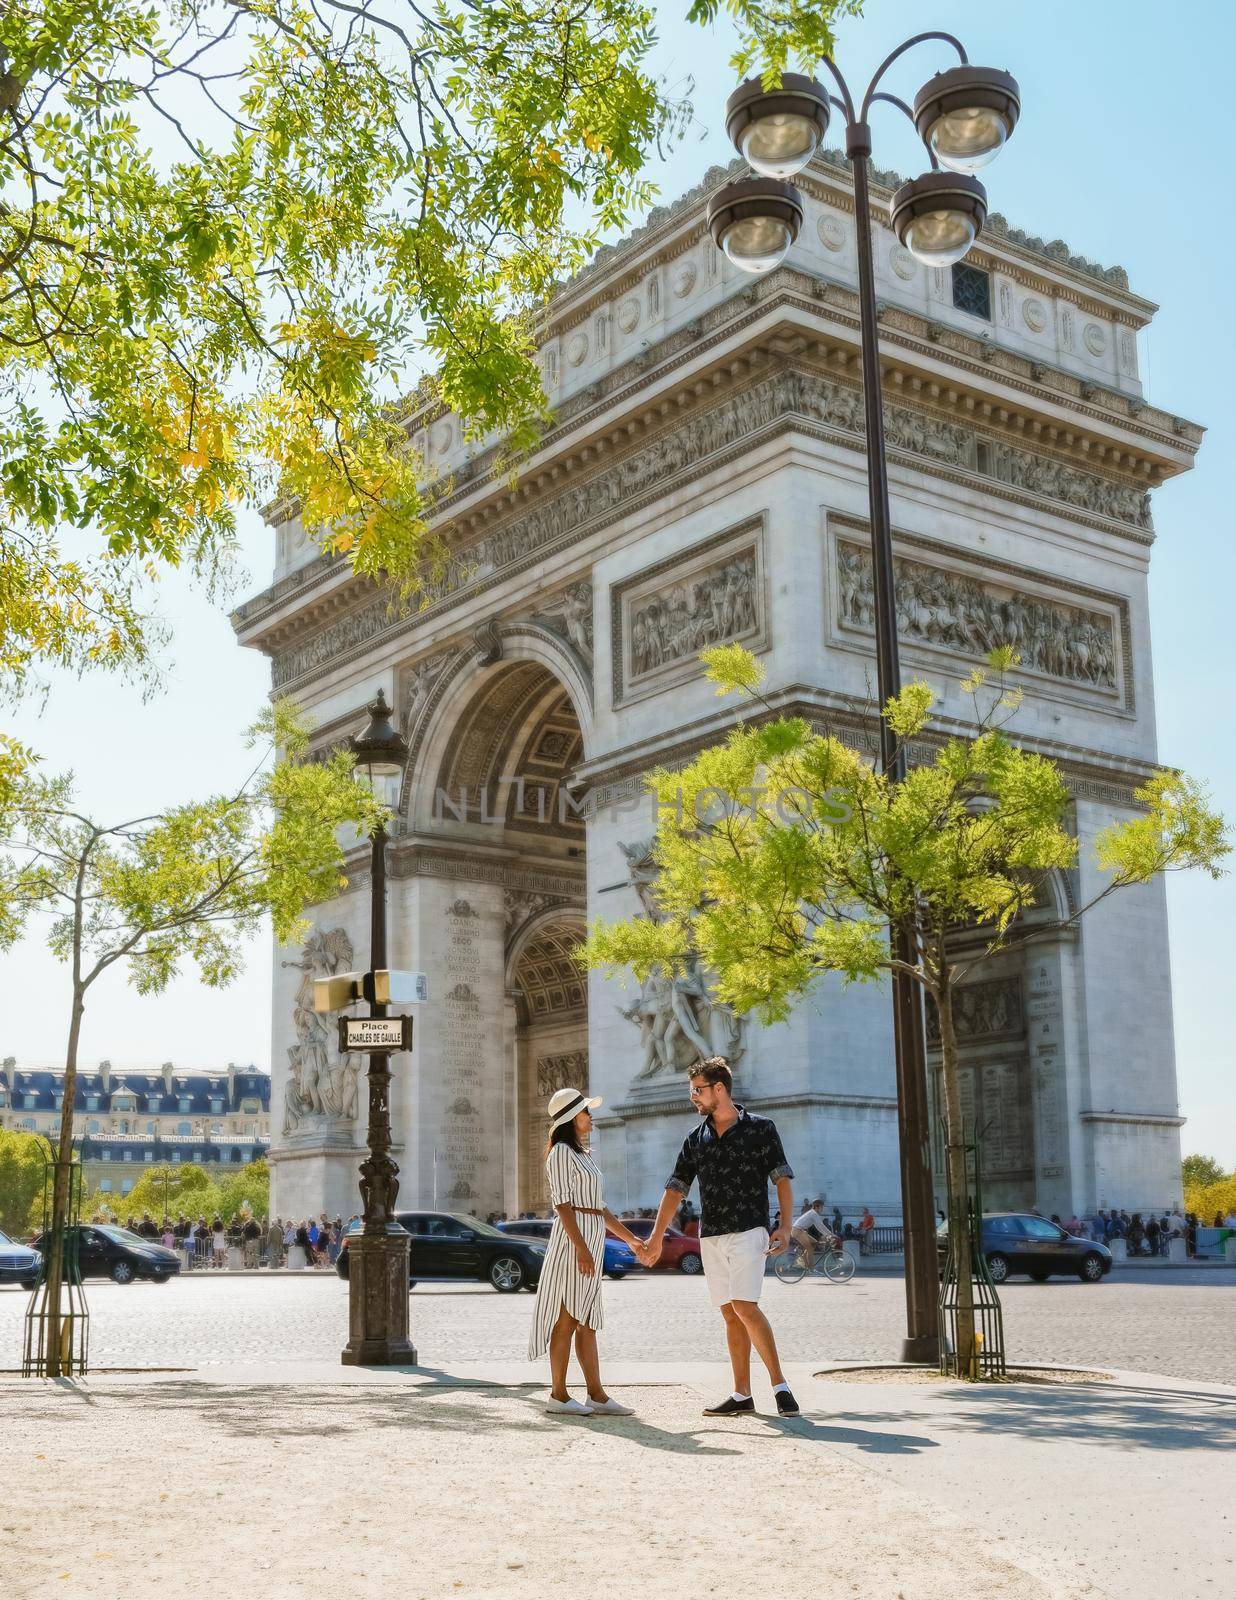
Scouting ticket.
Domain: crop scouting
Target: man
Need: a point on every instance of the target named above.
(735, 1156)
(810, 1230)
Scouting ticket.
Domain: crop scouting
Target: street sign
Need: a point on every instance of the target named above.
(388, 988)
(374, 1035)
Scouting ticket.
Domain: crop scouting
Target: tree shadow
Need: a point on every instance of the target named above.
(1091, 1414)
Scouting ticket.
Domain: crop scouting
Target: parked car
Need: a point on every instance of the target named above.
(447, 1244)
(19, 1263)
(677, 1249)
(1018, 1244)
(619, 1258)
(104, 1251)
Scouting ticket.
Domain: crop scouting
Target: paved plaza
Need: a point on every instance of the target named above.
(1180, 1323)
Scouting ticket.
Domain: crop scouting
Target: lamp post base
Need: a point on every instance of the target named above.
(921, 1351)
(378, 1302)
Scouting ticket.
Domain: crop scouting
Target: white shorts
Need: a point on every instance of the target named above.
(734, 1264)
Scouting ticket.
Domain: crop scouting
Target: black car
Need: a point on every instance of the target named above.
(1020, 1244)
(19, 1263)
(448, 1244)
(104, 1251)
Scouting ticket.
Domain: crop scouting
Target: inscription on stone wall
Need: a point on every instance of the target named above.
(1045, 1030)
(461, 1140)
(973, 616)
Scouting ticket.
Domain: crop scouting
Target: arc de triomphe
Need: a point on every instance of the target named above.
(704, 481)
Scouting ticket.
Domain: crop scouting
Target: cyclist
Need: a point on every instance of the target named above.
(810, 1231)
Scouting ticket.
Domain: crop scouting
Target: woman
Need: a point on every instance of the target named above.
(568, 1302)
(219, 1240)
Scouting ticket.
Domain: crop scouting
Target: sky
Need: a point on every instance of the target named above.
(1124, 149)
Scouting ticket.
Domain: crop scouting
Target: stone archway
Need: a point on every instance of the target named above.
(549, 994)
(495, 844)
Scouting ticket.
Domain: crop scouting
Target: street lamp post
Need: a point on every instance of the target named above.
(964, 117)
(378, 1255)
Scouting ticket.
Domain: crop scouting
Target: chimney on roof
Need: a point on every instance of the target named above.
(105, 1072)
(167, 1077)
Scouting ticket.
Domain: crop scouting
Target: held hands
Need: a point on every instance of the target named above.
(648, 1251)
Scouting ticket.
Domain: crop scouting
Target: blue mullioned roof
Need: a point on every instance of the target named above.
(207, 1093)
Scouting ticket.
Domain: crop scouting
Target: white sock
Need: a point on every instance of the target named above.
(781, 1388)
(738, 1396)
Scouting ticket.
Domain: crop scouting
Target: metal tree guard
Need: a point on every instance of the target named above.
(986, 1360)
(74, 1336)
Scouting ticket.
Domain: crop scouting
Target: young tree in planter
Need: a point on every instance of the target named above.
(187, 885)
(784, 854)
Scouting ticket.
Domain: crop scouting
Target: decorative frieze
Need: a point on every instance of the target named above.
(972, 616)
(569, 1070)
(983, 1011)
(712, 593)
(790, 397)
(321, 1084)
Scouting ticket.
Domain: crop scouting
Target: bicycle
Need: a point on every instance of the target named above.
(831, 1262)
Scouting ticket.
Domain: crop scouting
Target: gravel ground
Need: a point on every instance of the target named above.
(1179, 1323)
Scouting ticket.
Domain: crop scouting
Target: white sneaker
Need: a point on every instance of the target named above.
(569, 1408)
(610, 1408)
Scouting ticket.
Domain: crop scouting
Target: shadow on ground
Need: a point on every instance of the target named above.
(1082, 1414)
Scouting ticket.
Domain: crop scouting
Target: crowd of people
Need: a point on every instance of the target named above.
(261, 1242)
(1148, 1234)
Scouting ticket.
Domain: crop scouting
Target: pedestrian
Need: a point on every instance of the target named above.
(866, 1224)
(734, 1155)
(274, 1244)
(1190, 1233)
(168, 1239)
(251, 1233)
(218, 1238)
(1152, 1234)
(837, 1219)
(568, 1301)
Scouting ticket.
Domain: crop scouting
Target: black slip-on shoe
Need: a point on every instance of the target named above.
(730, 1407)
(786, 1403)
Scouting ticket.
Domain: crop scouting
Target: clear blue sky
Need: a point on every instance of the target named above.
(1124, 150)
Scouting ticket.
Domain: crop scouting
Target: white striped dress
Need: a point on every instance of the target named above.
(573, 1180)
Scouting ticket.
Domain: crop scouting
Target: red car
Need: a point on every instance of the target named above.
(677, 1250)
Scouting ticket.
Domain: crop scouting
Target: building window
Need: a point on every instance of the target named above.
(31, 1100)
(106, 1155)
(152, 1127)
(93, 1125)
(59, 1102)
(128, 1155)
(175, 1155)
(972, 290)
(197, 1155)
(184, 1102)
(216, 1106)
(184, 1128)
(29, 1123)
(126, 1186)
(106, 1185)
(92, 1102)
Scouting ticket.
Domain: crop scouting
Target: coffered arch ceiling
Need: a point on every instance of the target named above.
(548, 982)
(512, 749)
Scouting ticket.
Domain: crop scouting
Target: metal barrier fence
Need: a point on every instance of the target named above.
(882, 1241)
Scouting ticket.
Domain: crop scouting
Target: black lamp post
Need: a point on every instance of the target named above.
(378, 1255)
(964, 117)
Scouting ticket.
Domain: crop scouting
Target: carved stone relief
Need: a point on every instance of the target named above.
(988, 1010)
(973, 616)
(321, 1084)
(678, 1020)
(788, 394)
(416, 689)
(566, 1071)
(570, 615)
(663, 617)
(831, 232)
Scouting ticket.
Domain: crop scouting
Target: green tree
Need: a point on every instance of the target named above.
(235, 232)
(188, 885)
(1199, 1172)
(784, 854)
(22, 1164)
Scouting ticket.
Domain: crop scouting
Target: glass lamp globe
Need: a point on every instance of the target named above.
(779, 145)
(940, 238)
(757, 244)
(967, 139)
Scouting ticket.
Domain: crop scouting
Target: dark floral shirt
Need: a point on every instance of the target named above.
(734, 1170)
